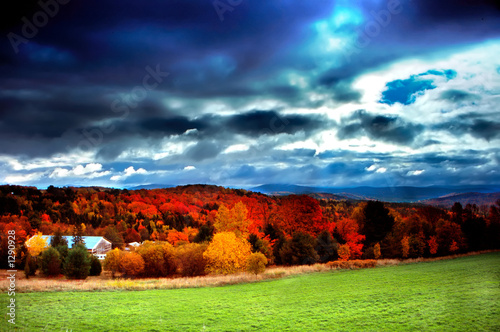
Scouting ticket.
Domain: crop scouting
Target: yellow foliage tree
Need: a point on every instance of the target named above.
(37, 244)
(227, 254)
(112, 261)
(234, 220)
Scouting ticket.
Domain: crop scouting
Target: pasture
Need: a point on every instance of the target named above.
(461, 294)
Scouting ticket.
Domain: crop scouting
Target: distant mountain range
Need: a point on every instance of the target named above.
(466, 198)
(387, 194)
(444, 196)
(151, 186)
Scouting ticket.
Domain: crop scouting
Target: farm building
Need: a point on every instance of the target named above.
(97, 245)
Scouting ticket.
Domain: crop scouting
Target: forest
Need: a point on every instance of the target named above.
(199, 224)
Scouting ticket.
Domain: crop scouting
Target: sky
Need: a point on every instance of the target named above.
(239, 93)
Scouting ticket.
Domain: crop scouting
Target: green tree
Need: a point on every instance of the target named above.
(77, 265)
(50, 262)
(377, 223)
(299, 250)
(95, 266)
(58, 239)
(78, 235)
(326, 246)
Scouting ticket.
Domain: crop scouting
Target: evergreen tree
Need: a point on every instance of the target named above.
(326, 247)
(77, 264)
(78, 235)
(58, 239)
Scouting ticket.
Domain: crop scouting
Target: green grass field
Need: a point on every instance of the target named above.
(452, 295)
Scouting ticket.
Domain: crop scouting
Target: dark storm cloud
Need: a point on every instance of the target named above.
(379, 127)
(258, 123)
(203, 150)
(171, 126)
(458, 95)
(477, 125)
(468, 158)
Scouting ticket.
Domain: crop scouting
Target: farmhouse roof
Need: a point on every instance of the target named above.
(90, 242)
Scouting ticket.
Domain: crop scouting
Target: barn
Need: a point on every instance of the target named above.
(96, 245)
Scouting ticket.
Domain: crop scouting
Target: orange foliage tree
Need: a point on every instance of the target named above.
(348, 229)
(132, 264)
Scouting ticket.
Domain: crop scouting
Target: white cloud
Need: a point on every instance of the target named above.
(415, 173)
(236, 148)
(91, 170)
(189, 168)
(129, 171)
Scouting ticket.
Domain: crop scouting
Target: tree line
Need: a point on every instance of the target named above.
(202, 222)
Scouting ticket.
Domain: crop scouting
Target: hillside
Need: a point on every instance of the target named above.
(386, 194)
(465, 198)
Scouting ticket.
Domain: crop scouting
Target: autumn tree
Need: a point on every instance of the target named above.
(132, 264)
(300, 214)
(261, 245)
(233, 220)
(344, 252)
(112, 261)
(37, 244)
(256, 263)
(226, 254)
(376, 251)
(114, 237)
(190, 260)
(159, 259)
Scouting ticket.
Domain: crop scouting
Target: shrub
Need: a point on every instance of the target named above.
(226, 254)
(159, 259)
(132, 264)
(344, 252)
(77, 265)
(190, 260)
(50, 262)
(95, 266)
(354, 264)
(256, 263)
(30, 266)
(376, 251)
(112, 261)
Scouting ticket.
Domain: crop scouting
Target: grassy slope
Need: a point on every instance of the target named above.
(461, 295)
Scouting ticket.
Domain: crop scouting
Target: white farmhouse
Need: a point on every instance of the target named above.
(96, 245)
